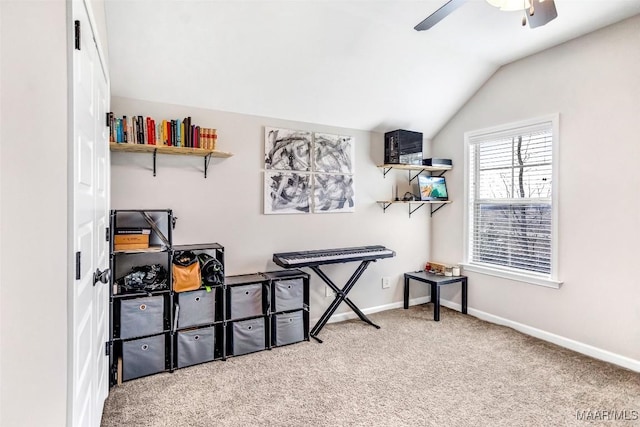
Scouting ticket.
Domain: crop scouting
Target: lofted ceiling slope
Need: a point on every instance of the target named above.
(356, 64)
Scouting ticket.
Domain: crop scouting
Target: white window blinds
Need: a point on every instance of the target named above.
(510, 199)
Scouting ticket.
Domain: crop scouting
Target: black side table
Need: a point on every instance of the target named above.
(435, 281)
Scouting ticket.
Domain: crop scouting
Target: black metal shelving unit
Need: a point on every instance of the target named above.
(146, 315)
(227, 316)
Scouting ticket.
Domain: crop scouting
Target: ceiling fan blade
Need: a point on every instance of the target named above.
(543, 13)
(439, 14)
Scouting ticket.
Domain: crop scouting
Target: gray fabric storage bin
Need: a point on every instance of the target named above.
(245, 301)
(195, 346)
(196, 308)
(248, 336)
(288, 294)
(144, 356)
(289, 328)
(141, 316)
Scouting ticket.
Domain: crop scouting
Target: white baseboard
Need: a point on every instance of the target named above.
(586, 349)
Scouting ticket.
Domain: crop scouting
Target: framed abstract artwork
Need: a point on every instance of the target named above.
(287, 149)
(333, 193)
(286, 192)
(332, 153)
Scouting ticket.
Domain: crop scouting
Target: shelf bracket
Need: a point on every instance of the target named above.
(442, 173)
(412, 211)
(436, 209)
(385, 171)
(385, 205)
(154, 161)
(415, 176)
(207, 159)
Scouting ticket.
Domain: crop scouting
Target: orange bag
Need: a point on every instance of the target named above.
(186, 272)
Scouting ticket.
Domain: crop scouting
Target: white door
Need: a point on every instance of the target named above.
(89, 300)
(101, 290)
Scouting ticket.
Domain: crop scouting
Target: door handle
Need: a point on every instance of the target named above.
(101, 276)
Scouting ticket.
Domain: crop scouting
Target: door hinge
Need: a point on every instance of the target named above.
(108, 119)
(106, 234)
(107, 347)
(78, 265)
(77, 30)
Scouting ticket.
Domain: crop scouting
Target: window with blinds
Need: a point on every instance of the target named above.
(510, 205)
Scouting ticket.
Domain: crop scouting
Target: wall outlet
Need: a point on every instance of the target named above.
(386, 282)
(328, 292)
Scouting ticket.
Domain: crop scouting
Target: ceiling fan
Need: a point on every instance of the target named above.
(537, 12)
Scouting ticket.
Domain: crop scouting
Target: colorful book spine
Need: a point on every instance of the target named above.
(130, 134)
(140, 130)
(145, 131)
(204, 137)
(111, 128)
(153, 131)
(178, 134)
(187, 129)
(124, 129)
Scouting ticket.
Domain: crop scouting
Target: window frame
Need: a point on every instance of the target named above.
(548, 280)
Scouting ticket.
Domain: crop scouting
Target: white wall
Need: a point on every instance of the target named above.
(1, 209)
(33, 213)
(227, 206)
(593, 83)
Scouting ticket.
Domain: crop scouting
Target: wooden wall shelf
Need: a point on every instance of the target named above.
(386, 203)
(420, 168)
(163, 149)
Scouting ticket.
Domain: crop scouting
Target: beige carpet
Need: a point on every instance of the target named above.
(413, 372)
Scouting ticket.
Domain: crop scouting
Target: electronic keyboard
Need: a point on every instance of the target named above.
(331, 256)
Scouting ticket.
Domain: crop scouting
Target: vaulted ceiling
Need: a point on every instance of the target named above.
(356, 64)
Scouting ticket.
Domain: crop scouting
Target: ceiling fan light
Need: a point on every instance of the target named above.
(495, 3)
(510, 5)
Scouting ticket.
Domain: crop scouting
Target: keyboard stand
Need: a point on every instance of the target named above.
(341, 295)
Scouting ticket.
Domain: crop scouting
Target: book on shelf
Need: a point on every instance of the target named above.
(145, 131)
(124, 129)
(187, 129)
(134, 130)
(138, 129)
(111, 128)
(174, 134)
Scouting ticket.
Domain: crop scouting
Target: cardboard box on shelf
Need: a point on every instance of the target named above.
(130, 246)
(131, 238)
(438, 267)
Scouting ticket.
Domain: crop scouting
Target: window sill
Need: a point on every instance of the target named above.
(534, 280)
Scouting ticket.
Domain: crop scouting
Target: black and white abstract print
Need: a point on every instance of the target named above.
(287, 149)
(286, 193)
(332, 153)
(333, 193)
